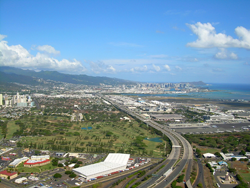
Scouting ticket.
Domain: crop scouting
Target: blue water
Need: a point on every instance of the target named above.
(84, 128)
(220, 91)
(229, 91)
(156, 139)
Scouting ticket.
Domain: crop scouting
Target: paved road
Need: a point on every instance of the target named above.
(176, 140)
(200, 177)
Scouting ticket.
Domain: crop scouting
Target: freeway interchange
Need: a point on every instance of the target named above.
(180, 156)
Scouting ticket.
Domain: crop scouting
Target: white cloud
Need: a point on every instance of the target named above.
(167, 67)
(101, 67)
(18, 56)
(224, 54)
(208, 38)
(139, 69)
(134, 62)
(157, 68)
(2, 37)
(158, 56)
(233, 56)
(178, 68)
(48, 49)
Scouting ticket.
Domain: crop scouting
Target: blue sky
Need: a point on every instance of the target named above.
(149, 41)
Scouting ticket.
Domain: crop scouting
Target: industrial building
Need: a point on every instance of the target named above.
(114, 163)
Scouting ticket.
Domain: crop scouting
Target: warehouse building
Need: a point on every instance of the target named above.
(114, 163)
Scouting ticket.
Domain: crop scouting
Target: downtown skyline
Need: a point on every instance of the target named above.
(146, 41)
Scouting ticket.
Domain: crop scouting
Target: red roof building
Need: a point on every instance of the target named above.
(31, 163)
(6, 159)
(5, 174)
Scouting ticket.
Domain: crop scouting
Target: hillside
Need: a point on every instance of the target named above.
(12, 73)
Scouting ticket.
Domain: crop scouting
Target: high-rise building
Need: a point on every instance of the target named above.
(1, 99)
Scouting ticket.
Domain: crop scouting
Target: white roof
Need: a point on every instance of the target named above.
(118, 158)
(34, 157)
(247, 153)
(208, 155)
(101, 167)
(19, 160)
(112, 161)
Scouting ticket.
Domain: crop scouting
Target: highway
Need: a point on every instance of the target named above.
(184, 155)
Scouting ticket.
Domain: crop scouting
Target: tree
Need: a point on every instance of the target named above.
(173, 184)
(242, 152)
(233, 159)
(74, 160)
(232, 170)
(68, 172)
(60, 165)
(217, 154)
(76, 166)
(57, 175)
(248, 148)
(224, 150)
(180, 178)
(72, 175)
(199, 185)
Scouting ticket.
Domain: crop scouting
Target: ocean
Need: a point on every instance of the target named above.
(219, 91)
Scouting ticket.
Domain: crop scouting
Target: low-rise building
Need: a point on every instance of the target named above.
(32, 163)
(229, 156)
(208, 155)
(8, 175)
(166, 117)
(21, 180)
(40, 157)
(16, 162)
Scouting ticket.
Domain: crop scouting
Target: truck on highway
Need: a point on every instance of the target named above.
(168, 172)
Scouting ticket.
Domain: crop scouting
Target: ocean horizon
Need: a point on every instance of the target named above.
(221, 91)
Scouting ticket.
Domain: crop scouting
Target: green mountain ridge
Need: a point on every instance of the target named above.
(56, 76)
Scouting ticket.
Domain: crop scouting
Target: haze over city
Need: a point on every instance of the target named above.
(149, 41)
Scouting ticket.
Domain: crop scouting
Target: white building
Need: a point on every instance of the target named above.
(21, 180)
(114, 163)
(229, 156)
(208, 155)
(40, 157)
(16, 162)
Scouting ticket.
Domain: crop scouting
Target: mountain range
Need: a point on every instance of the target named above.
(11, 74)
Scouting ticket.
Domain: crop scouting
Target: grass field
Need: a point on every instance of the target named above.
(36, 169)
(123, 133)
(245, 174)
(12, 127)
(208, 150)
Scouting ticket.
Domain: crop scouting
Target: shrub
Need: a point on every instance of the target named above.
(57, 175)
(60, 165)
(68, 172)
(180, 178)
(72, 175)
(173, 184)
